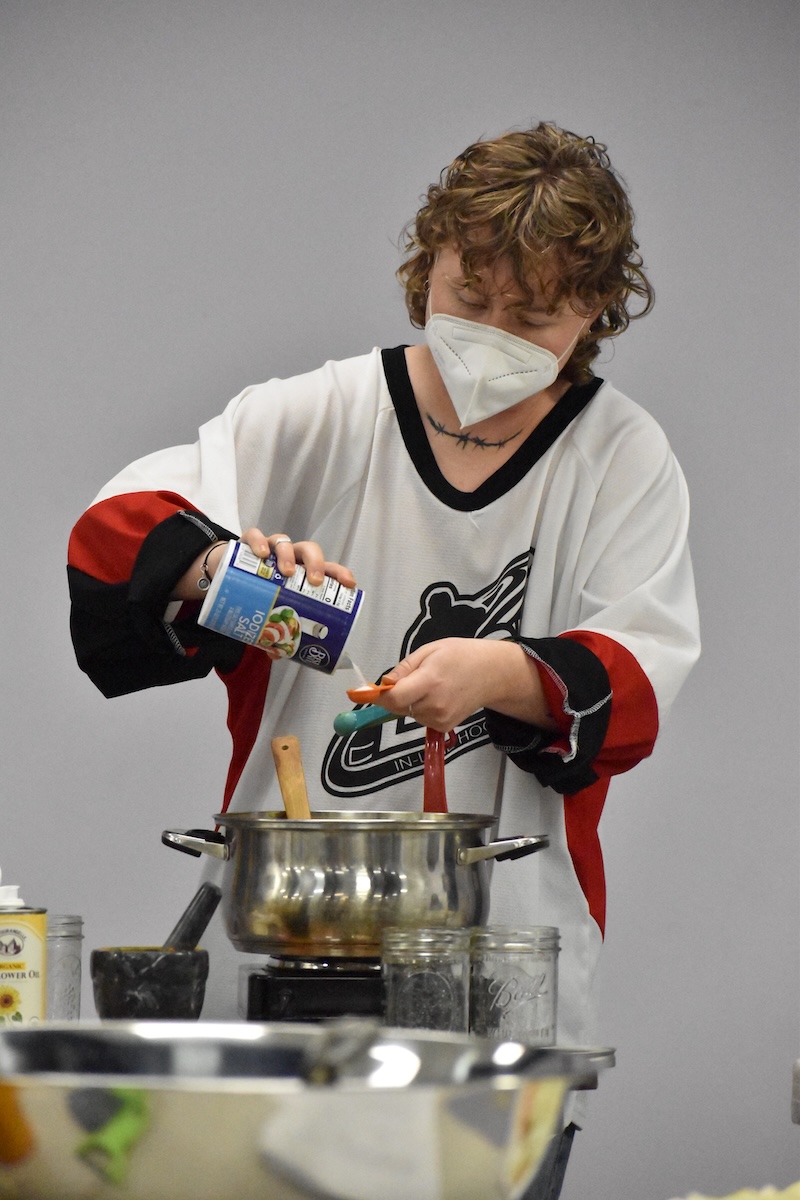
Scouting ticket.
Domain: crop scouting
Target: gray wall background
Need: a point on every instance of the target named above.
(199, 195)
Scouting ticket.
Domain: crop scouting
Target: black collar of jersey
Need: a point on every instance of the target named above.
(506, 477)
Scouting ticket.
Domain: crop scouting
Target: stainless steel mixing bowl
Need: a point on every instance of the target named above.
(346, 1110)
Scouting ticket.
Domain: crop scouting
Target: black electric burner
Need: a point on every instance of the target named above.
(294, 989)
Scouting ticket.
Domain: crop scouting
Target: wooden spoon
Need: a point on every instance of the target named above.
(291, 777)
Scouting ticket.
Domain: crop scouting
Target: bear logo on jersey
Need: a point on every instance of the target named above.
(371, 759)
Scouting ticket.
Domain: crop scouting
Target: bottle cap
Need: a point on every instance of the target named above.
(9, 895)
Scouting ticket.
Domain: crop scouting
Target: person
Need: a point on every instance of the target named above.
(518, 527)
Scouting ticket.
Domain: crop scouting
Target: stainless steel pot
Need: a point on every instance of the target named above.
(329, 886)
(160, 1110)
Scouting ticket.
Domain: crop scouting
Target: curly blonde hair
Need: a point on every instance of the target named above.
(550, 202)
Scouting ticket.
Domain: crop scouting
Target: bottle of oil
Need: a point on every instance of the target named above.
(23, 960)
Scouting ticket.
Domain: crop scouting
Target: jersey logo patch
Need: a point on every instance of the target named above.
(372, 759)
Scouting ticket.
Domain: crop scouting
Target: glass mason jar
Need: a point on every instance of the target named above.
(64, 938)
(426, 978)
(514, 984)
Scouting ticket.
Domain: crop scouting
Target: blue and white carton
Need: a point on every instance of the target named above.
(287, 617)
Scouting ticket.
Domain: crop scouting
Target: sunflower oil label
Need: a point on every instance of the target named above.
(23, 959)
(251, 601)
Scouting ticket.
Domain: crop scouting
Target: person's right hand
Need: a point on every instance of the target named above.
(288, 554)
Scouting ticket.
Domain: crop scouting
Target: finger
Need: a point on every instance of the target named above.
(256, 540)
(282, 546)
(410, 663)
(422, 710)
(342, 575)
(262, 546)
(311, 556)
(288, 554)
(408, 697)
(278, 544)
(317, 566)
(403, 705)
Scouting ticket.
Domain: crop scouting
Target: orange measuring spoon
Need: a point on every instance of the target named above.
(368, 693)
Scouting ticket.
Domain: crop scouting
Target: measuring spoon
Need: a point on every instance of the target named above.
(368, 693)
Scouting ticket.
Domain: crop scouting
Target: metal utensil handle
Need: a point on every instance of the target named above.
(506, 848)
(197, 842)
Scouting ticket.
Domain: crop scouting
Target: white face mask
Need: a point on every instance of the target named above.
(487, 370)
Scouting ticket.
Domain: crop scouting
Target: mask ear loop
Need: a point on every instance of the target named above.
(566, 353)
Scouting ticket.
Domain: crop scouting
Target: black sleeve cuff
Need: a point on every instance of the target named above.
(578, 681)
(167, 552)
(121, 638)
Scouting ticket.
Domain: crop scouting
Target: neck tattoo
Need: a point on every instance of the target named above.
(470, 439)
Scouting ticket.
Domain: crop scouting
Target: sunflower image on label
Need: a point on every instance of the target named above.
(23, 943)
(285, 616)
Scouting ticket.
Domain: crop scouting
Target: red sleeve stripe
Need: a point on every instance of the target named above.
(630, 736)
(582, 814)
(107, 539)
(633, 725)
(247, 690)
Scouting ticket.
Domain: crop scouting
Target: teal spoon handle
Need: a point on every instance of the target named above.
(358, 718)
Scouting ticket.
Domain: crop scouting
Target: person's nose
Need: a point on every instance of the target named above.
(507, 322)
(498, 316)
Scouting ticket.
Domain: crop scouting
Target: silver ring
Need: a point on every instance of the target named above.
(279, 540)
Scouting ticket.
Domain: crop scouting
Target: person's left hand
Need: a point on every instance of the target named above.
(446, 681)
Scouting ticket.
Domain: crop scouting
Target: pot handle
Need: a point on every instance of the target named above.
(197, 842)
(506, 848)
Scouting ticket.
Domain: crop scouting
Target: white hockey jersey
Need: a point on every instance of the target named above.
(577, 547)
